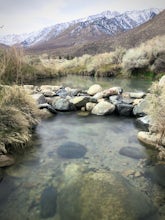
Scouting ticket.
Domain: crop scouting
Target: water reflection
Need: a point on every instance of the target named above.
(85, 82)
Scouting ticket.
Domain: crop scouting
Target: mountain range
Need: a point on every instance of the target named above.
(82, 35)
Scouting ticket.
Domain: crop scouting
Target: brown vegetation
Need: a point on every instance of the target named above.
(15, 68)
(156, 108)
(149, 56)
(18, 116)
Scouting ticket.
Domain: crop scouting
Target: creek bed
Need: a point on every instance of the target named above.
(103, 137)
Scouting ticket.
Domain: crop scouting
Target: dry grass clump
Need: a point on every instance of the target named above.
(15, 68)
(18, 116)
(11, 65)
(156, 98)
(149, 56)
(105, 64)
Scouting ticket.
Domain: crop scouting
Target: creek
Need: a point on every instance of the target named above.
(22, 191)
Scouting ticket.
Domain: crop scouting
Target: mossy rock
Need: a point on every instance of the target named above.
(103, 196)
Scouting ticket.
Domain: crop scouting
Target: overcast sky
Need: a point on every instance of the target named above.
(22, 16)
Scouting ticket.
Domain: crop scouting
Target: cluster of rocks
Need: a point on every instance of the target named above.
(94, 100)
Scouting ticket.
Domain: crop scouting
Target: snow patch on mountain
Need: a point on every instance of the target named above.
(109, 22)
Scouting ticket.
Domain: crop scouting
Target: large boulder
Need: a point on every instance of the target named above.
(139, 109)
(143, 123)
(148, 139)
(80, 101)
(48, 93)
(112, 91)
(62, 92)
(62, 104)
(94, 89)
(124, 109)
(98, 95)
(103, 108)
(103, 195)
(39, 98)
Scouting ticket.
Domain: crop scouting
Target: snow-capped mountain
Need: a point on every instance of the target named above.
(107, 22)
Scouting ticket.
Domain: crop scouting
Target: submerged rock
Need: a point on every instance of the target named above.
(71, 150)
(103, 195)
(132, 152)
(48, 202)
(157, 174)
(7, 186)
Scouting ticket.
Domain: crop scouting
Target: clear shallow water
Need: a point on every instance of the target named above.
(103, 137)
(85, 82)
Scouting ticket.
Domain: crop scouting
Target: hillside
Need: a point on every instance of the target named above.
(3, 46)
(132, 38)
(74, 36)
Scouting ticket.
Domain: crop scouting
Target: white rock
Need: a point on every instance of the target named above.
(90, 106)
(39, 98)
(94, 89)
(137, 95)
(162, 81)
(147, 138)
(103, 108)
(98, 95)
